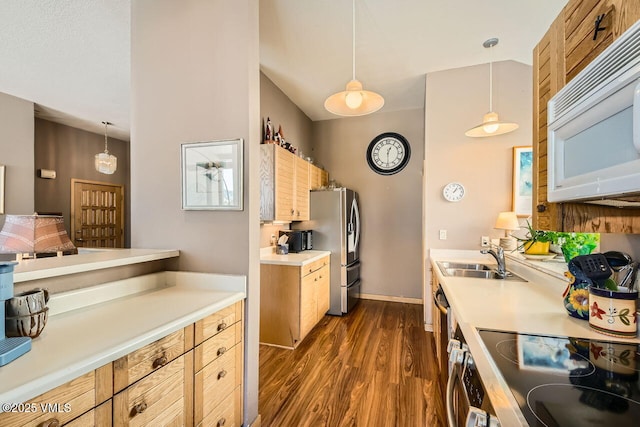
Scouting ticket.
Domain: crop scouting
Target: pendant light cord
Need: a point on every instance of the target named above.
(491, 85)
(353, 29)
(106, 150)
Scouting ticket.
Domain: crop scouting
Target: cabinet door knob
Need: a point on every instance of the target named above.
(222, 350)
(160, 361)
(222, 374)
(138, 409)
(222, 326)
(51, 422)
(222, 422)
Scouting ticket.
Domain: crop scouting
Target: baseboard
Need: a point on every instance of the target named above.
(391, 298)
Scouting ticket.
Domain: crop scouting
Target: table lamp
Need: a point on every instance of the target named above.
(507, 221)
(34, 234)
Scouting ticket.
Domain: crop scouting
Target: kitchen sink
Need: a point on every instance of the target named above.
(481, 274)
(475, 271)
(463, 266)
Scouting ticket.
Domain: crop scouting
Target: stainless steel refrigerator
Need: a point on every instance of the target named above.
(335, 221)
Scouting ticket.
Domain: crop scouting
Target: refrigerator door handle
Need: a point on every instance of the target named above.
(355, 214)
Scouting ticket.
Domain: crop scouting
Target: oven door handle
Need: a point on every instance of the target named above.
(440, 301)
(453, 378)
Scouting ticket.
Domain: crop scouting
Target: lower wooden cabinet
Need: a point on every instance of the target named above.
(293, 299)
(64, 404)
(190, 377)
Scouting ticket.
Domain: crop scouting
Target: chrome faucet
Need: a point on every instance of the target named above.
(498, 254)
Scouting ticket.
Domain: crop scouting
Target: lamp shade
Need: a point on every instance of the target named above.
(491, 126)
(34, 234)
(507, 221)
(354, 101)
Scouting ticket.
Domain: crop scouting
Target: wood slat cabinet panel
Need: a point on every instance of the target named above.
(217, 322)
(226, 414)
(130, 368)
(162, 398)
(63, 404)
(285, 182)
(98, 417)
(215, 382)
(301, 189)
(548, 79)
(218, 377)
(292, 301)
(218, 345)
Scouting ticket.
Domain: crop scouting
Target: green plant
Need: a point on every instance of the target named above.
(534, 236)
(574, 244)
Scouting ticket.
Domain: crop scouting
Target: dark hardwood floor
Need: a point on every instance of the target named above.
(374, 367)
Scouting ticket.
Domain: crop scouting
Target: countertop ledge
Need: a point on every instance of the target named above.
(294, 259)
(121, 317)
(86, 260)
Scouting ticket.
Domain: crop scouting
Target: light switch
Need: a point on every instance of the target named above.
(443, 234)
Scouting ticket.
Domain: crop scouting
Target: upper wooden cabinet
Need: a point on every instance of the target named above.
(285, 181)
(565, 50)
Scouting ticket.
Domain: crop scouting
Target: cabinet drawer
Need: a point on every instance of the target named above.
(217, 322)
(160, 399)
(72, 399)
(130, 368)
(227, 413)
(313, 266)
(216, 381)
(217, 345)
(98, 417)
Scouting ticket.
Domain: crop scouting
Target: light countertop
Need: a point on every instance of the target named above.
(294, 259)
(125, 316)
(535, 307)
(86, 260)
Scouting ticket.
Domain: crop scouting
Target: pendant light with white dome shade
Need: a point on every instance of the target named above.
(354, 100)
(491, 124)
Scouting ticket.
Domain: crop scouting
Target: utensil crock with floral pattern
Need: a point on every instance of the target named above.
(613, 312)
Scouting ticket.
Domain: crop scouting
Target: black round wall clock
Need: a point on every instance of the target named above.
(388, 153)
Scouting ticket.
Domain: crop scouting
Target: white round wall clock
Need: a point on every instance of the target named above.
(453, 192)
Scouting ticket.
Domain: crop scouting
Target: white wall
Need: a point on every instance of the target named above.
(17, 154)
(195, 77)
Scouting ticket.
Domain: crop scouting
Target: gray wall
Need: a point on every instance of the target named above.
(195, 77)
(391, 244)
(70, 152)
(296, 126)
(16, 153)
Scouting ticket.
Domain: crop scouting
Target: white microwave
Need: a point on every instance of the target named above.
(594, 127)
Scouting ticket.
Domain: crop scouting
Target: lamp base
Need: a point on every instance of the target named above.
(508, 243)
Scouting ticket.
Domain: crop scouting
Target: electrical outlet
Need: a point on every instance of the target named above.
(484, 241)
(443, 234)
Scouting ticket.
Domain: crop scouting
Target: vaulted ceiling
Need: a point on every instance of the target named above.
(71, 57)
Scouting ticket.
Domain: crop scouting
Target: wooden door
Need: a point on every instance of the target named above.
(301, 190)
(97, 214)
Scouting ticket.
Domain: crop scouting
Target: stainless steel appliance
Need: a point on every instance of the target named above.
(335, 220)
(466, 400)
(594, 128)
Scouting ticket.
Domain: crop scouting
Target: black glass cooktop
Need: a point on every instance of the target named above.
(563, 382)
